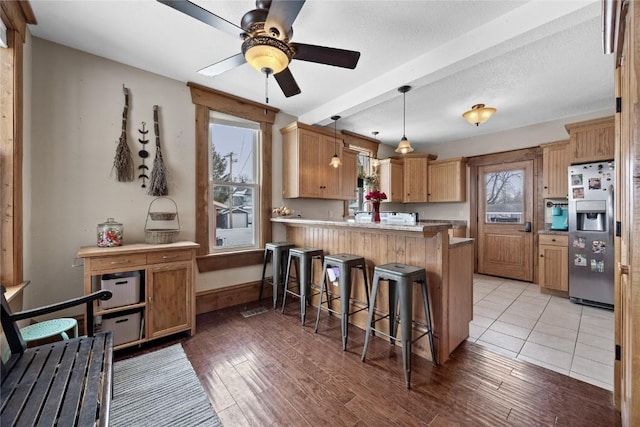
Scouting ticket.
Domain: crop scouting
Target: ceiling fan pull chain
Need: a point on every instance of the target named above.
(266, 89)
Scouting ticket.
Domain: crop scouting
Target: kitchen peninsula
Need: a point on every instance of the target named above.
(447, 260)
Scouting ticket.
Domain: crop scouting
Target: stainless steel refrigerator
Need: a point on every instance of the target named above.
(591, 233)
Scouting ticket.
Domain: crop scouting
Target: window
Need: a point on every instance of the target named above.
(213, 108)
(504, 196)
(235, 188)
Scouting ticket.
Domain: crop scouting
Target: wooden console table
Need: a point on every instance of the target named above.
(167, 285)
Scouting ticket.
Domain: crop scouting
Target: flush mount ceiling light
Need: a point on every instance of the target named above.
(404, 146)
(335, 160)
(478, 114)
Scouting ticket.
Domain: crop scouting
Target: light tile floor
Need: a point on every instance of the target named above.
(514, 319)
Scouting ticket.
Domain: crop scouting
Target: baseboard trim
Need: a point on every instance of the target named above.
(215, 299)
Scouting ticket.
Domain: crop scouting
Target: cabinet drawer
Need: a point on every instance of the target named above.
(117, 261)
(554, 240)
(168, 256)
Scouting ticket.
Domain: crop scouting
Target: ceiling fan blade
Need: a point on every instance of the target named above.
(203, 15)
(326, 55)
(287, 83)
(224, 65)
(282, 13)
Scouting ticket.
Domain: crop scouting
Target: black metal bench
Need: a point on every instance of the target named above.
(65, 383)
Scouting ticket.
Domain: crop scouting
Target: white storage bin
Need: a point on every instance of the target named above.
(124, 286)
(125, 328)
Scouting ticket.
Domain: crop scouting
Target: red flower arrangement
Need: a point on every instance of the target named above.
(375, 196)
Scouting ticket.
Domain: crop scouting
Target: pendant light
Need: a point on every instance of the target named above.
(478, 114)
(375, 162)
(335, 160)
(404, 146)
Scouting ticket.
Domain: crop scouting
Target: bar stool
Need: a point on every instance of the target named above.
(277, 252)
(302, 259)
(344, 263)
(400, 278)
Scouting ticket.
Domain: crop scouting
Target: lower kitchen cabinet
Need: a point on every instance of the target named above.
(163, 303)
(553, 262)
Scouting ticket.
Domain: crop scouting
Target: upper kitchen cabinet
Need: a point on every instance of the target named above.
(306, 173)
(555, 161)
(415, 171)
(447, 180)
(591, 140)
(391, 177)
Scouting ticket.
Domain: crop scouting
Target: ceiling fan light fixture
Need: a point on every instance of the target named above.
(478, 114)
(404, 146)
(267, 53)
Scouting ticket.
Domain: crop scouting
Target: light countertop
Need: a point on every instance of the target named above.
(421, 227)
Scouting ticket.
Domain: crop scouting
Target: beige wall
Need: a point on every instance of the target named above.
(73, 107)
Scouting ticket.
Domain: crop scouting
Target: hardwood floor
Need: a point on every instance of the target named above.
(269, 370)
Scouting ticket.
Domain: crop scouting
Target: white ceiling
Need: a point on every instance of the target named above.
(534, 61)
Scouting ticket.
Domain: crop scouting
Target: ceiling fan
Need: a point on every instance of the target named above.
(267, 31)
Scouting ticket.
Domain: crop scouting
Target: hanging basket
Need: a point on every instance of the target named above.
(167, 234)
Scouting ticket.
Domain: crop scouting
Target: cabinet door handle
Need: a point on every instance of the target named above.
(553, 240)
(169, 256)
(541, 256)
(119, 262)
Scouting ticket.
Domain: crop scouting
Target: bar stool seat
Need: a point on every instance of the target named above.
(400, 278)
(345, 263)
(277, 252)
(302, 259)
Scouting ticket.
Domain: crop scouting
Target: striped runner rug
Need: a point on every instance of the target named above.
(159, 389)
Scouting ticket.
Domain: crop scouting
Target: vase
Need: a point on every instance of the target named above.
(375, 215)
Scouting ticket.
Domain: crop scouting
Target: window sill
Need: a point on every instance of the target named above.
(224, 261)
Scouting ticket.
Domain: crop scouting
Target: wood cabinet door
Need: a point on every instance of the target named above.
(169, 290)
(311, 149)
(330, 176)
(554, 267)
(447, 181)
(555, 162)
(415, 179)
(390, 175)
(592, 141)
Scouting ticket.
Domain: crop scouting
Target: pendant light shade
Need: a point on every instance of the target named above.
(335, 160)
(478, 114)
(404, 146)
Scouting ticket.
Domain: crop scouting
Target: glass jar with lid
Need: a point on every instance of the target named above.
(110, 233)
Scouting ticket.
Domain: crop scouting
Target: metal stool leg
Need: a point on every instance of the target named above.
(393, 310)
(285, 285)
(372, 303)
(264, 270)
(323, 288)
(345, 294)
(276, 263)
(405, 291)
(303, 270)
(427, 315)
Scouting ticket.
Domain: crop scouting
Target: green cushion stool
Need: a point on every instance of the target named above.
(47, 329)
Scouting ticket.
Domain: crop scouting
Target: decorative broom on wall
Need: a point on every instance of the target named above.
(123, 162)
(158, 180)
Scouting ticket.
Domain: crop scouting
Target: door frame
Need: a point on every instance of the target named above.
(532, 153)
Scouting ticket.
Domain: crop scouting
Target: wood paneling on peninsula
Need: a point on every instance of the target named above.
(427, 246)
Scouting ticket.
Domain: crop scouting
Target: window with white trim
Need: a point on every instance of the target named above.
(234, 171)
